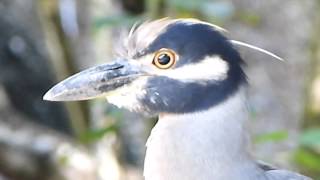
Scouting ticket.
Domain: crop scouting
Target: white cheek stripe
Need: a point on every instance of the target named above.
(210, 68)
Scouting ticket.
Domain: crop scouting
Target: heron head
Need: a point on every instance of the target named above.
(163, 66)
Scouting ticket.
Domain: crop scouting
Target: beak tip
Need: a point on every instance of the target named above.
(54, 94)
(48, 96)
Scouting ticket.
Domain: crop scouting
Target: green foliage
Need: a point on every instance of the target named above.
(271, 137)
(311, 138)
(114, 117)
(112, 21)
(114, 113)
(249, 18)
(182, 5)
(94, 135)
(205, 8)
(307, 156)
(307, 159)
(63, 160)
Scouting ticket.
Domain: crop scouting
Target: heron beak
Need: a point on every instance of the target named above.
(94, 82)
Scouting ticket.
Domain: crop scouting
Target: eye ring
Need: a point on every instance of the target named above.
(164, 58)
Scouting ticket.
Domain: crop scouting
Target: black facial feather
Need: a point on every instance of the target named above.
(192, 41)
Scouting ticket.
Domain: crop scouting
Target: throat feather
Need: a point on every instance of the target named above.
(201, 143)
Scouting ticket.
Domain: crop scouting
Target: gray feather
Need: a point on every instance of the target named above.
(272, 173)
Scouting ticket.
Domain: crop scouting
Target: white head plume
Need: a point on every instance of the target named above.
(235, 42)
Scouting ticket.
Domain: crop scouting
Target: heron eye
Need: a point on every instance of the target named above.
(164, 58)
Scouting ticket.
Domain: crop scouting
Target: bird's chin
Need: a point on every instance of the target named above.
(129, 97)
(131, 103)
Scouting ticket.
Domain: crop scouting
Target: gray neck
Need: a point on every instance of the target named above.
(211, 144)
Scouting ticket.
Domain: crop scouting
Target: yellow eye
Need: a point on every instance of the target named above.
(164, 58)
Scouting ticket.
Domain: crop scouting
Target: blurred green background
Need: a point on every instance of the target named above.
(45, 41)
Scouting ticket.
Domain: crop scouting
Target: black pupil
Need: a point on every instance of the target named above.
(164, 59)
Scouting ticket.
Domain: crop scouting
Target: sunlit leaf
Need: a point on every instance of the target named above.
(95, 135)
(308, 160)
(271, 137)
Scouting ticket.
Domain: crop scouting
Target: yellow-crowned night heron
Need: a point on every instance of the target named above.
(188, 73)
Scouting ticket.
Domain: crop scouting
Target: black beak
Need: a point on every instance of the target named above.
(93, 82)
